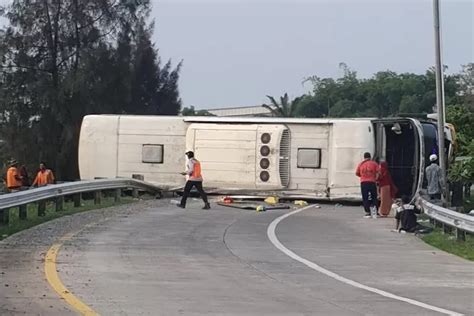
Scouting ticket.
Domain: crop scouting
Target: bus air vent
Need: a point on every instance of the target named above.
(285, 158)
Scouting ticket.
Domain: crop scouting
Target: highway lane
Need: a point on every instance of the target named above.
(221, 261)
(160, 260)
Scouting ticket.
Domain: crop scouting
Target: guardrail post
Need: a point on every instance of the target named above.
(23, 211)
(77, 199)
(117, 195)
(42, 208)
(446, 229)
(135, 194)
(13, 216)
(5, 215)
(97, 197)
(460, 235)
(59, 203)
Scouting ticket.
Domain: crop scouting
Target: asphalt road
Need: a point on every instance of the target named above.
(151, 258)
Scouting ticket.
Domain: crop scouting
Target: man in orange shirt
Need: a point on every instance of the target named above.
(367, 171)
(44, 177)
(14, 182)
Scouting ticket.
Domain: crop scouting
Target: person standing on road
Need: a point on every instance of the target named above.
(367, 171)
(25, 179)
(13, 178)
(435, 179)
(387, 188)
(44, 177)
(193, 172)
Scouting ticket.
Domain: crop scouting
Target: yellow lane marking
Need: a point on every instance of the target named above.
(50, 269)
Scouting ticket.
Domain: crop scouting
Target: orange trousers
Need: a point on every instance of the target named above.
(385, 200)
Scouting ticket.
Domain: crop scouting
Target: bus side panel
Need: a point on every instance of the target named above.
(98, 147)
(349, 141)
(136, 133)
(309, 137)
(226, 152)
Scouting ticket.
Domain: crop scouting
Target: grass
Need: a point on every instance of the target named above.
(449, 243)
(33, 219)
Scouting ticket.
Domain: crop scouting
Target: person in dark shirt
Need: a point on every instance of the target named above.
(25, 179)
(406, 216)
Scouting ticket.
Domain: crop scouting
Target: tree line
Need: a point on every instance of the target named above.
(389, 94)
(63, 59)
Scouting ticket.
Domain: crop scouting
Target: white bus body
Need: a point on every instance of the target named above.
(312, 158)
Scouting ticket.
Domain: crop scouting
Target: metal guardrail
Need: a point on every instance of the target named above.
(462, 223)
(57, 193)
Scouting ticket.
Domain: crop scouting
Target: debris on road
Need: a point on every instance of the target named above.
(259, 207)
(272, 200)
(301, 203)
(228, 200)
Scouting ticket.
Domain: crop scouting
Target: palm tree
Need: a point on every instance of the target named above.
(283, 109)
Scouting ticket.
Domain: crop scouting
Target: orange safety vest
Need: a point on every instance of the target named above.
(44, 177)
(12, 181)
(197, 170)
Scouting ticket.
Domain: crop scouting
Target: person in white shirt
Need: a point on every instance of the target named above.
(435, 178)
(193, 172)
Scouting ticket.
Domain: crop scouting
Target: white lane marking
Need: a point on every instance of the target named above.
(273, 238)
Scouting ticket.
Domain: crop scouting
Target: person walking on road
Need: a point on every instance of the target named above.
(44, 177)
(435, 179)
(367, 171)
(13, 178)
(387, 189)
(193, 172)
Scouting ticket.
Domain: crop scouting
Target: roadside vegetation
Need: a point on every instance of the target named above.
(33, 219)
(449, 243)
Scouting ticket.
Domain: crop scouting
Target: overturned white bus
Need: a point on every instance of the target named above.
(310, 158)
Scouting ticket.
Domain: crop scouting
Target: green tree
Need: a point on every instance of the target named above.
(410, 104)
(466, 85)
(191, 111)
(284, 108)
(61, 60)
(154, 88)
(385, 94)
(309, 106)
(463, 120)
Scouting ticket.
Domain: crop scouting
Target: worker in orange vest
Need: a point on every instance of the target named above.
(193, 172)
(44, 177)
(13, 180)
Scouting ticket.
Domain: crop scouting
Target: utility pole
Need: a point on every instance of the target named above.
(440, 95)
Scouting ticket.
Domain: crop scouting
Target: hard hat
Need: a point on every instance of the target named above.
(433, 157)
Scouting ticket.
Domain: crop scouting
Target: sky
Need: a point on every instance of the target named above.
(235, 52)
